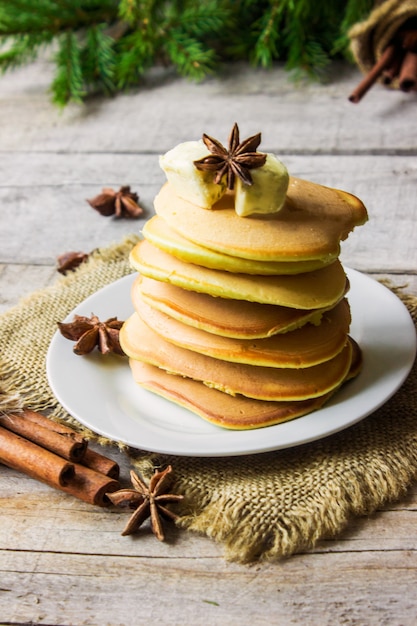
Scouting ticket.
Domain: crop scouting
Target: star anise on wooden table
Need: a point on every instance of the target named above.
(89, 332)
(237, 160)
(122, 203)
(148, 501)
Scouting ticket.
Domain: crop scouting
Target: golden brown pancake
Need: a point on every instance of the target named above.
(312, 290)
(310, 226)
(141, 343)
(161, 235)
(221, 409)
(305, 347)
(221, 316)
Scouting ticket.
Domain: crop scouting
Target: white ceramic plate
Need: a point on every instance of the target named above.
(100, 392)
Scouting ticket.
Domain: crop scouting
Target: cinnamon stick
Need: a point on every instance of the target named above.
(96, 461)
(69, 445)
(408, 73)
(384, 61)
(90, 486)
(25, 456)
(90, 458)
(26, 442)
(393, 68)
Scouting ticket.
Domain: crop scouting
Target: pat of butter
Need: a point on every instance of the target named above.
(268, 192)
(188, 182)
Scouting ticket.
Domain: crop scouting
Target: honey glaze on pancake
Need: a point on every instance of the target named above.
(311, 290)
(141, 343)
(310, 226)
(305, 347)
(222, 316)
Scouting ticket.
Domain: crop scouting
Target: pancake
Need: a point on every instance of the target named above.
(221, 316)
(311, 290)
(223, 410)
(304, 347)
(161, 235)
(310, 226)
(234, 413)
(141, 343)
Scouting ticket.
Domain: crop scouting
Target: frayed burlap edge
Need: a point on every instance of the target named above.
(368, 39)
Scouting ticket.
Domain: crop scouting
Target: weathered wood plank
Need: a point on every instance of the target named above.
(355, 589)
(18, 281)
(70, 522)
(50, 214)
(64, 562)
(306, 117)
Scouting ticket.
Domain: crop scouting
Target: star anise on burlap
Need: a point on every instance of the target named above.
(237, 160)
(89, 332)
(122, 203)
(69, 261)
(148, 501)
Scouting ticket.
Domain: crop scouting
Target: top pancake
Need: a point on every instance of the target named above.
(310, 226)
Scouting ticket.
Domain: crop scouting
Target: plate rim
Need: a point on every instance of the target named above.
(209, 449)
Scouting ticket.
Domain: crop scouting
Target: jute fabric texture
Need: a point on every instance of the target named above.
(368, 39)
(263, 506)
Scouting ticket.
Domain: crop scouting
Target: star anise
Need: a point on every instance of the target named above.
(69, 261)
(122, 203)
(89, 332)
(236, 161)
(148, 501)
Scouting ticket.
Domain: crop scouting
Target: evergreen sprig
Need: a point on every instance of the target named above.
(108, 45)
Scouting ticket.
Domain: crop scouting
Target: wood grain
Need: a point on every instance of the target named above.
(64, 562)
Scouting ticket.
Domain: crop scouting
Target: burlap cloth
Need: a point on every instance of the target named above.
(368, 39)
(259, 506)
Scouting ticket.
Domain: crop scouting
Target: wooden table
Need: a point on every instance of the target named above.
(63, 561)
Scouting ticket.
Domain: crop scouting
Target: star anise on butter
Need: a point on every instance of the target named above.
(149, 501)
(237, 160)
(89, 332)
(122, 203)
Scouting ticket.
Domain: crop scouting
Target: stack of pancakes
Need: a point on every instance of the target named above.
(244, 321)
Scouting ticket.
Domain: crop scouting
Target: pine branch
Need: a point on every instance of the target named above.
(108, 45)
(189, 56)
(98, 60)
(269, 26)
(356, 11)
(68, 83)
(23, 49)
(135, 54)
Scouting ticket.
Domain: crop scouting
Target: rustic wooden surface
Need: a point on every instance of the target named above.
(64, 562)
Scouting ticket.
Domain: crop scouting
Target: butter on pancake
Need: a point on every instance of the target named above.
(310, 226)
(221, 316)
(141, 343)
(161, 235)
(305, 347)
(311, 290)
